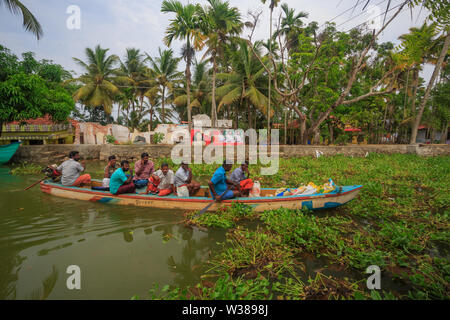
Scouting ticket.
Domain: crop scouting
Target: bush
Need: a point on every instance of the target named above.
(342, 140)
(110, 139)
(158, 137)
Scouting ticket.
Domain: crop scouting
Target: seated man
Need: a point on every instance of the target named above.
(70, 170)
(166, 176)
(238, 176)
(183, 179)
(109, 170)
(121, 183)
(219, 184)
(143, 169)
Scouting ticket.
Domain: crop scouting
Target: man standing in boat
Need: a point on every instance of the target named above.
(121, 183)
(71, 169)
(143, 169)
(183, 181)
(238, 176)
(220, 185)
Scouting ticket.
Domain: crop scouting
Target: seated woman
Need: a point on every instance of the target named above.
(121, 183)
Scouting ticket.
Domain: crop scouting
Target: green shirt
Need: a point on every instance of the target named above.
(117, 179)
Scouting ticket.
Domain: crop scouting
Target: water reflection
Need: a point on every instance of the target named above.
(121, 250)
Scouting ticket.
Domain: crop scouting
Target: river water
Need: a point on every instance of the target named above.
(121, 251)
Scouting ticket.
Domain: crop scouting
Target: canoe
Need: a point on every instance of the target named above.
(333, 199)
(7, 151)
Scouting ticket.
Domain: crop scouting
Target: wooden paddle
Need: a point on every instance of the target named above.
(209, 205)
(34, 184)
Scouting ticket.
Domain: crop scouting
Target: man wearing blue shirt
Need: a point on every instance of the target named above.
(219, 184)
(120, 182)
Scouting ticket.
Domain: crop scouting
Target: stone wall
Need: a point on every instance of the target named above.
(56, 153)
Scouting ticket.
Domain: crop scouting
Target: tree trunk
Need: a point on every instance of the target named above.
(443, 139)
(303, 135)
(118, 112)
(414, 93)
(330, 126)
(188, 91)
(437, 68)
(151, 118)
(213, 94)
(249, 114)
(270, 80)
(163, 115)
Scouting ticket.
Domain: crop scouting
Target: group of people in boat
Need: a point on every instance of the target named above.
(162, 182)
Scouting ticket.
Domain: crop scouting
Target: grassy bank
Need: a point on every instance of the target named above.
(400, 222)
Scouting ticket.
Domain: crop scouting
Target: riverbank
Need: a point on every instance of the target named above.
(56, 153)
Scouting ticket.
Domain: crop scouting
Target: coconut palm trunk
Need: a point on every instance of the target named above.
(270, 79)
(213, 94)
(163, 101)
(436, 71)
(188, 89)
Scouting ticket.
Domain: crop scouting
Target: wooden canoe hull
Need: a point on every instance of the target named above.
(317, 201)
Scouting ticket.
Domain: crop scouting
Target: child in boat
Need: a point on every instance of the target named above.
(121, 183)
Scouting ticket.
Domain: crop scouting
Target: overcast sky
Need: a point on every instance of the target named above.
(119, 24)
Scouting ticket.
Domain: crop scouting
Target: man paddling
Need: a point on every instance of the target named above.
(219, 184)
(71, 169)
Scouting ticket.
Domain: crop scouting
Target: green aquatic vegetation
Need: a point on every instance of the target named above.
(224, 288)
(26, 168)
(250, 253)
(226, 217)
(400, 222)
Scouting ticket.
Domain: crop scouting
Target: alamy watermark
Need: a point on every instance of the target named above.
(73, 22)
(258, 149)
(374, 281)
(74, 280)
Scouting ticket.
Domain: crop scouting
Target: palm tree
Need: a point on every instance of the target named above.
(272, 5)
(185, 26)
(30, 23)
(132, 73)
(200, 90)
(220, 23)
(437, 68)
(290, 26)
(165, 75)
(244, 83)
(97, 87)
(419, 46)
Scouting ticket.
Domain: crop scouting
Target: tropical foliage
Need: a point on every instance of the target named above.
(309, 81)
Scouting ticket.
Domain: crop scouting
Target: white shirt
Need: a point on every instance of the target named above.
(166, 180)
